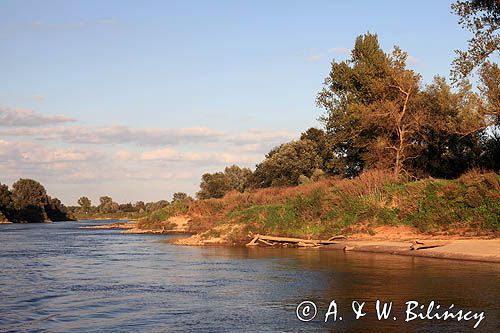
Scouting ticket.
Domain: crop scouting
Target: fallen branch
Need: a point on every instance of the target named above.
(266, 242)
(337, 237)
(419, 245)
(272, 241)
(253, 242)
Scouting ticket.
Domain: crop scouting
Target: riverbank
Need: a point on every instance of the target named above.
(395, 241)
(177, 225)
(387, 240)
(371, 208)
(484, 250)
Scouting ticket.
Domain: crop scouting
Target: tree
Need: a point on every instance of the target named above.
(152, 206)
(179, 196)
(490, 90)
(140, 206)
(490, 151)
(107, 205)
(5, 197)
(372, 104)
(126, 207)
(323, 147)
(482, 19)
(85, 204)
(285, 164)
(377, 115)
(55, 210)
(448, 147)
(5, 202)
(237, 178)
(29, 198)
(213, 185)
(216, 185)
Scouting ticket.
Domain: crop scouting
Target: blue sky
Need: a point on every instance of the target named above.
(137, 99)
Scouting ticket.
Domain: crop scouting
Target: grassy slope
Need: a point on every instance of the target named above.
(470, 204)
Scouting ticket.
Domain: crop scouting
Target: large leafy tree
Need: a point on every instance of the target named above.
(216, 185)
(372, 103)
(107, 205)
(482, 19)
(213, 185)
(321, 143)
(378, 116)
(29, 198)
(285, 164)
(85, 204)
(236, 178)
(444, 149)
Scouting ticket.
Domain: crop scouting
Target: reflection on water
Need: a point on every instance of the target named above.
(56, 277)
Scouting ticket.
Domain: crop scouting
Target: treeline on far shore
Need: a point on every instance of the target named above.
(108, 208)
(27, 201)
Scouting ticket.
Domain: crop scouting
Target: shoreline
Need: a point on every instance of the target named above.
(478, 250)
(482, 250)
(389, 240)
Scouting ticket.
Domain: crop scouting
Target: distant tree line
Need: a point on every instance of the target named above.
(379, 115)
(27, 201)
(108, 206)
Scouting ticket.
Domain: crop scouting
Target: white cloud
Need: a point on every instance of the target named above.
(116, 134)
(125, 158)
(29, 118)
(340, 50)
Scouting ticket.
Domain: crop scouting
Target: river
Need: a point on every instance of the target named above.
(59, 278)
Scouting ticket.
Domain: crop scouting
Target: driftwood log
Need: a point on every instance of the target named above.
(420, 245)
(273, 241)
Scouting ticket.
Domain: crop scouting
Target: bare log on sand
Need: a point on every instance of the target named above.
(420, 245)
(273, 241)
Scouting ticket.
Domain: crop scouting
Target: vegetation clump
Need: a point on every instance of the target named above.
(28, 202)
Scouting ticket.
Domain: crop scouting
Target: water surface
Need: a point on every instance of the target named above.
(58, 278)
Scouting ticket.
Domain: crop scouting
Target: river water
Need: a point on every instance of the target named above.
(59, 278)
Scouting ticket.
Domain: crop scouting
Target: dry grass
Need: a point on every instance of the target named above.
(371, 182)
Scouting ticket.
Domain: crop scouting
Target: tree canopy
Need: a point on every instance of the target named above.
(482, 19)
(216, 185)
(28, 202)
(378, 115)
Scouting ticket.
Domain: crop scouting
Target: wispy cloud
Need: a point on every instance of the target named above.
(315, 57)
(340, 50)
(29, 118)
(169, 154)
(117, 134)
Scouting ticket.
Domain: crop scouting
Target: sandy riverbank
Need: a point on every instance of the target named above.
(487, 250)
(398, 241)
